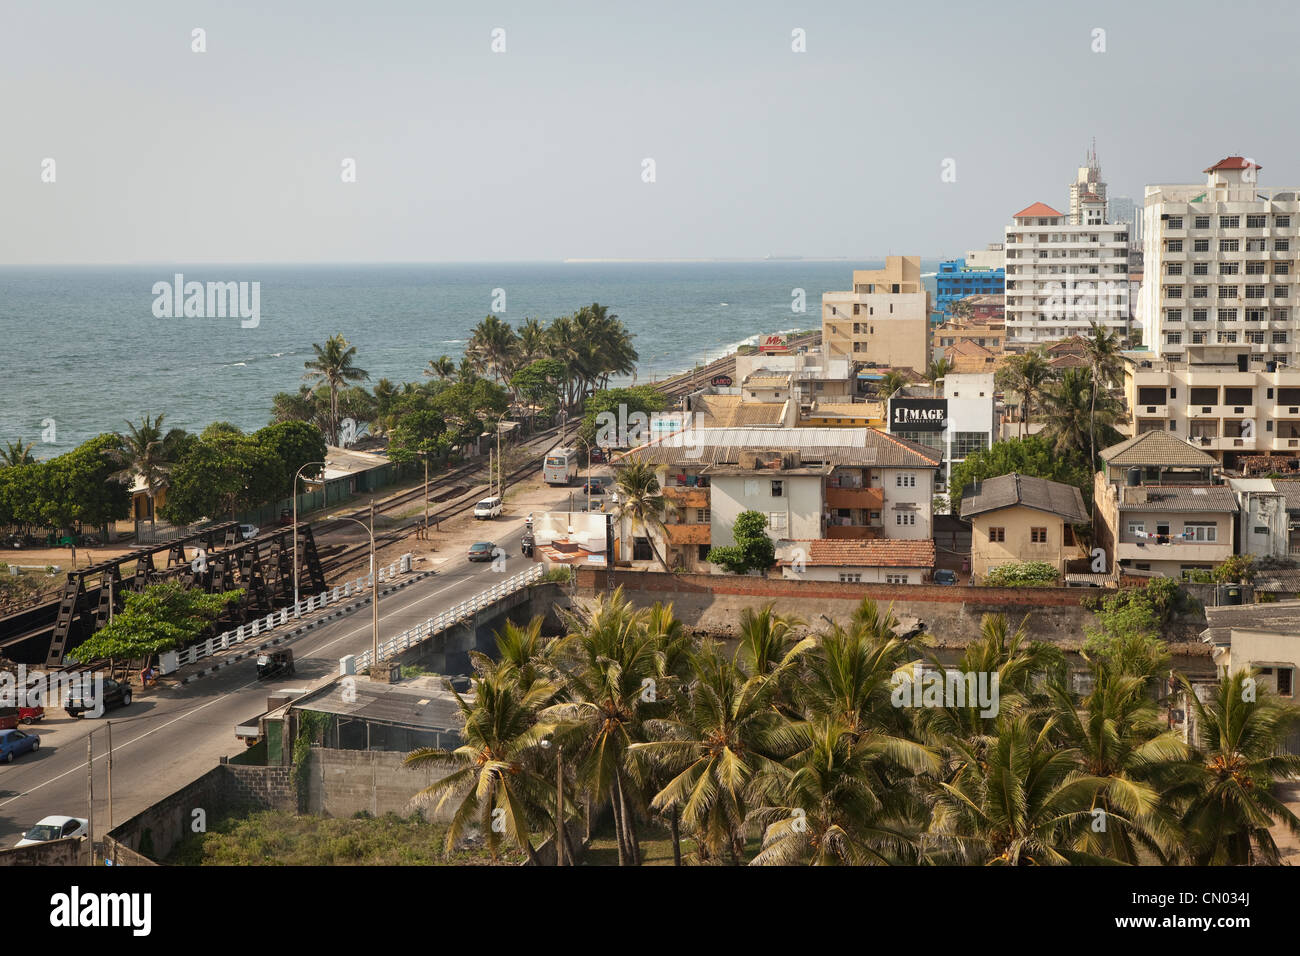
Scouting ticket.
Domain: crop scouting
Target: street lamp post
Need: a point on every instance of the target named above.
(295, 528)
(374, 583)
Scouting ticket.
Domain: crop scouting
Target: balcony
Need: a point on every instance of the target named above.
(866, 499)
(1192, 552)
(687, 497)
(852, 531)
(687, 534)
(1152, 411)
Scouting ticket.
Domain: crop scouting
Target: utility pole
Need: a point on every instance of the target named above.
(108, 725)
(90, 792)
(559, 806)
(374, 594)
(426, 494)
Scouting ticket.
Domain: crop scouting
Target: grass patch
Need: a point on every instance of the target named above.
(277, 838)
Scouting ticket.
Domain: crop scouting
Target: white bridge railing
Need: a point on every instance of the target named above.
(452, 616)
(259, 626)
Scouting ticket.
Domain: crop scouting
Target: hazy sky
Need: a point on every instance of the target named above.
(166, 155)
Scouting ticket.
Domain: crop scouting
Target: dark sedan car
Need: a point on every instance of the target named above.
(945, 577)
(595, 487)
(15, 743)
(114, 694)
(481, 551)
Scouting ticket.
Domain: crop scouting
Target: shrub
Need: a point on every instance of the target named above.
(1026, 574)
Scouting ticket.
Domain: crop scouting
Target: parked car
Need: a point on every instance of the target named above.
(596, 486)
(488, 508)
(597, 456)
(30, 715)
(115, 694)
(247, 531)
(54, 828)
(15, 743)
(945, 577)
(481, 551)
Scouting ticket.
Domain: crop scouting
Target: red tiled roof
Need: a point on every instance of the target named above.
(1233, 162)
(1037, 209)
(870, 553)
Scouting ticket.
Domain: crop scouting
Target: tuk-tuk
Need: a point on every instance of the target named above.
(275, 664)
(526, 544)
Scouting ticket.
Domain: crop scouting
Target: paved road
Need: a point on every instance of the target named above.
(175, 734)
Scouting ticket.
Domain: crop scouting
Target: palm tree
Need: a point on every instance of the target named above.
(767, 639)
(890, 383)
(1026, 375)
(532, 341)
(1021, 802)
(1076, 413)
(147, 453)
(610, 662)
(937, 370)
(493, 346)
(333, 368)
(495, 774)
(844, 800)
(443, 367)
(640, 500)
(1102, 349)
(16, 453)
(1240, 730)
(726, 735)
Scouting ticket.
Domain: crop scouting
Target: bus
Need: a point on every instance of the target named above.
(561, 465)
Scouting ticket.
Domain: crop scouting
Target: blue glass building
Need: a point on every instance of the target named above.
(955, 281)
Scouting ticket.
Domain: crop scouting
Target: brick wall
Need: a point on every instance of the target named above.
(591, 580)
(346, 782)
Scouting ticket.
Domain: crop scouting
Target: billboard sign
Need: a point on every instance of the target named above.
(775, 343)
(917, 414)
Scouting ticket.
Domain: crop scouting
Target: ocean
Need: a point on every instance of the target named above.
(85, 351)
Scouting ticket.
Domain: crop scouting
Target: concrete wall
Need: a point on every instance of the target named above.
(343, 783)
(73, 851)
(800, 501)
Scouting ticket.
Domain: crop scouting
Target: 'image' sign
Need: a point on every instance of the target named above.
(918, 414)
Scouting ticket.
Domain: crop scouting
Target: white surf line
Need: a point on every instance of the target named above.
(191, 713)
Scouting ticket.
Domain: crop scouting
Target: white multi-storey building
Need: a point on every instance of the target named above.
(1220, 269)
(1063, 278)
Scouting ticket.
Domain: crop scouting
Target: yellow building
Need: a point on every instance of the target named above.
(1016, 518)
(885, 320)
(844, 415)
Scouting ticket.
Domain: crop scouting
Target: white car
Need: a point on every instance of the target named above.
(488, 508)
(54, 828)
(247, 531)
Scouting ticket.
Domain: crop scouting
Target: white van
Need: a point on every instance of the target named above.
(488, 508)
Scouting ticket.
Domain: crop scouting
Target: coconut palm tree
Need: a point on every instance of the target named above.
(148, 453)
(726, 735)
(1239, 754)
(442, 368)
(844, 800)
(495, 778)
(641, 501)
(16, 453)
(1027, 375)
(493, 347)
(609, 663)
(1077, 413)
(767, 639)
(532, 341)
(1105, 364)
(1020, 802)
(890, 383)
(937, 370)
(333, 368)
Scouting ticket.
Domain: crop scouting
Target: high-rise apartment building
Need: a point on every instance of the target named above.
(1087, 189)
(1220, 269)
(1061, 278)
(885, 320)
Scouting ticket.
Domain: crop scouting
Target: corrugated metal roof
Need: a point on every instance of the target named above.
(853, 447)
(1215, 498)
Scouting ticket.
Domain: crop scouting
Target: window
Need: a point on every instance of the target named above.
(1282, 222)
(1282, 245)
(1201, 292)
(1203, 531)
(1038, 535)
(1201, 245)
(702, 552)
(1173, 291)
(905, 481)
(904, 519)
(751, 487)
(1200, 268)
(895, 578)
(1174, 245)
(1200, 315)
(1281, 268)
(1228, 268)
(1255, 291)
(1261, 529)
(702, 516)
(1227, 292)
(1201, 222)
(1280, 292)
(965, 444)
(1136, 527)
(1229, 245)
(778, 489)
(1285, 681)
(1175, 222)
(1254, 268)
(1198, 338)
(776, 521)
(1279, 338)
(849, 578)
(1256, 222)
(1227, 338)
(1173, 315)
(1173, 338)
(1173, 268)
(997, 534)
(1229, 222)
(1281, 315)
